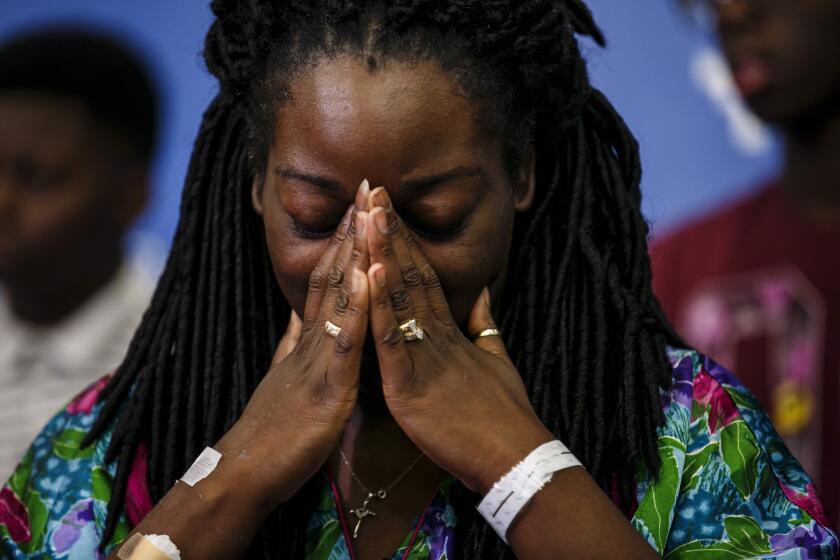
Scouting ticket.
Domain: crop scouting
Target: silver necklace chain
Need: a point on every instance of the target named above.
(364, 511)
(382, 492)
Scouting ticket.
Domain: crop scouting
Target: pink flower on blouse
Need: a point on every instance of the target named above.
(707, 391)
(138, 502)
(84, 402)
(14, 516)
(809, 502)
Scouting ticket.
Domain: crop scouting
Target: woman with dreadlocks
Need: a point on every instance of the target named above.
(393, 404)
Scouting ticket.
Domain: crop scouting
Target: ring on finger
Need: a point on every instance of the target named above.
(487, 332)
(412, 331)
(332, 329)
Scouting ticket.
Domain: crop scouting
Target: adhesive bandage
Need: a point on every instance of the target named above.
(149, 547)
(202, 467)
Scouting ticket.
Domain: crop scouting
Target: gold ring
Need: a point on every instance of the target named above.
(412, 331)
(487, 332)
(332, 329)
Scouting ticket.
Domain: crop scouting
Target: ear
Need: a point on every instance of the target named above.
(525, 184)
(257, 194)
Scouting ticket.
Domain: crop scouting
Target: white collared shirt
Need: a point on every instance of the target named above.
(42, 369)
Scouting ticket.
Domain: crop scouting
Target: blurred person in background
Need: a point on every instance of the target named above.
(78, 116)
(757, 283)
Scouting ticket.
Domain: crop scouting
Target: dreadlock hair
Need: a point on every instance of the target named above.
(579, 285)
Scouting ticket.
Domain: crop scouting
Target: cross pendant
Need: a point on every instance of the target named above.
(363, 511)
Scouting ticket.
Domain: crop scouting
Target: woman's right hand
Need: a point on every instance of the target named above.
(297, 413)
(294, 418)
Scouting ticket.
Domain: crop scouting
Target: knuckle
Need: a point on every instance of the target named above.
(429, 277)
(409, 239)
(393, 222)
(336, 275)
(399, 299)
(356, 254)
(411, 277)
(386, 249)
(339, 236)
(317, 278)
(392, 338)
(342, 303)
(343, 344)
(352, 307)
(308, 324)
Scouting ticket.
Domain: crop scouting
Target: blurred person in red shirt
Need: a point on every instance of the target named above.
(78, 119)
(756, 284)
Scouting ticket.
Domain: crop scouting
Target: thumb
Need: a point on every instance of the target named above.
(290, 339)
(481, 321)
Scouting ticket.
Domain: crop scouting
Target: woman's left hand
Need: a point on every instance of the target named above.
(462, 403)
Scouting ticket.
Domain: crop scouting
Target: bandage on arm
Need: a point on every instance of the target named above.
(214, 514)
(148, 547)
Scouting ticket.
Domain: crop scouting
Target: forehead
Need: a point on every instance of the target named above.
(44, 122)
(396, 118)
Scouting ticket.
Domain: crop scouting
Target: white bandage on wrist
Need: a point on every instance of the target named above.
(149, 547)
(165, 545)
(509, 495)
(202, 466)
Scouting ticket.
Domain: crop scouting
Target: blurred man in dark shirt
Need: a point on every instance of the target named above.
(766, 299)
(78, 118)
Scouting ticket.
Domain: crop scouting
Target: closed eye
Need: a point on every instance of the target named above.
(309, 234)
(437, 235)
(322, 227)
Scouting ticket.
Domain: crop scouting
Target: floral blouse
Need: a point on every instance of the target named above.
(728, 488)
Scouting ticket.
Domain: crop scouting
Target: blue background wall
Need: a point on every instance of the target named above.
(692, 161)
(652, 70)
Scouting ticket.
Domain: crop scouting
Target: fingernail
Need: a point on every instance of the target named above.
(354, 281)
(380, 198)
(379, 275)
(361, 223)
(381, 220)
(362, 200)
(348, 219)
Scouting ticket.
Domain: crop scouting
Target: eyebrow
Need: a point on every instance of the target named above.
(334, 186)
(319, 181)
